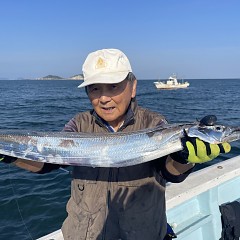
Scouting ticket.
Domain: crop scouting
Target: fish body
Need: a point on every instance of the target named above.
(108, 149)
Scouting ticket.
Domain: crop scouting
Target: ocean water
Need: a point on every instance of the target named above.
(33, 205)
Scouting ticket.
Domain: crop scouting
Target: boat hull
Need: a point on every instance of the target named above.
(171, 83)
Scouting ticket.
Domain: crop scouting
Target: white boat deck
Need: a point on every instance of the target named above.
(193, 205)
(202, 181)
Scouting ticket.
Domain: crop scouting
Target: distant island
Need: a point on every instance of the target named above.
(55, 77)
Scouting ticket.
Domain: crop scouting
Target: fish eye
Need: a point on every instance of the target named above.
(219, 128)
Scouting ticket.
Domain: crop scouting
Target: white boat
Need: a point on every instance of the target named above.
(193, 205)
(171, 83)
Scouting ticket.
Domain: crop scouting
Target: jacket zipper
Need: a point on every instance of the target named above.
(108, 201)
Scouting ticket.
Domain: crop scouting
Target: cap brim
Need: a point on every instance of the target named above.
(109, 78)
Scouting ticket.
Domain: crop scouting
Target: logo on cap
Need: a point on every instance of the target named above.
(100, 63)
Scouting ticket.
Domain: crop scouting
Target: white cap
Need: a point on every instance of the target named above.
(105, 66)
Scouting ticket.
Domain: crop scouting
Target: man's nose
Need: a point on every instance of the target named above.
(105, 97)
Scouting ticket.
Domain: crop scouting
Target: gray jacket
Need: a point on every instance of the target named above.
(117, 203)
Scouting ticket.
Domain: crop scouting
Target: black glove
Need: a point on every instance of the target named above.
(198, 151)
(7, 159)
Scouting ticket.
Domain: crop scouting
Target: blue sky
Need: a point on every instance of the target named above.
(193, 38)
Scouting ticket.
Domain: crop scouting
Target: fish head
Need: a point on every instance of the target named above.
(214, 134)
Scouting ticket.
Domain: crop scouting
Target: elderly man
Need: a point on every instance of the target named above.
(126, 203)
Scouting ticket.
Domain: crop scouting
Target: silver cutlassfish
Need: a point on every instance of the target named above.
(110, 149)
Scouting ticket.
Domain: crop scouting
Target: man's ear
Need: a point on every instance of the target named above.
(134, 88)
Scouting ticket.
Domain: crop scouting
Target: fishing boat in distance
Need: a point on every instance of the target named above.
(171, 83)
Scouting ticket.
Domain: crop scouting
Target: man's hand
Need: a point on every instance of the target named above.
(198, 151)
(1, 157)
(7, 159)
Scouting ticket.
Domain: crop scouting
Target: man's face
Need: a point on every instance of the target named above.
(110, 101)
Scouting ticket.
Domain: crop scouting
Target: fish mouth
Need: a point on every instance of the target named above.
(231, 134)
(215, 134)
